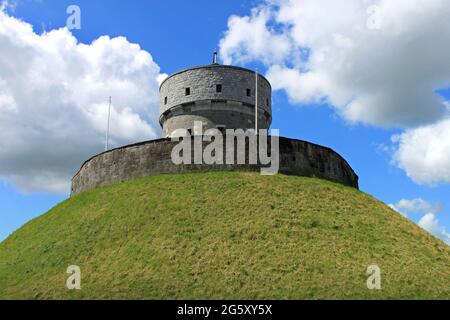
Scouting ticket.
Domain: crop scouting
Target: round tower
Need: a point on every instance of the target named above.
(219, 96)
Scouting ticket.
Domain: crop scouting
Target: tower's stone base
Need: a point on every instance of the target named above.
(154, 157)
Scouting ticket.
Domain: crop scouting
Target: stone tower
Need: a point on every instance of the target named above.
(219, 96)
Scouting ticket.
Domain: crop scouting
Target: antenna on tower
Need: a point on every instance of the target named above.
(215, 57)
(107, 129)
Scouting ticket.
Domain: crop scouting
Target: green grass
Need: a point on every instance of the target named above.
(223, 236)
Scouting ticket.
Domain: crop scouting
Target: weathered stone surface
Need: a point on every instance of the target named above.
(231, 108)
(154, 157)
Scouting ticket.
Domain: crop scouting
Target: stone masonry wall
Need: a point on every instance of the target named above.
(154, 157)
(179, 109)
(212, 115)
(202, 82)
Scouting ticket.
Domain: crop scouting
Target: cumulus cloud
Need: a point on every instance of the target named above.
(6, 5)
(424, 153)
(417, 205)
(430, 223)
(376, 61)
(429, 220)
(54, 101)
(250, 38)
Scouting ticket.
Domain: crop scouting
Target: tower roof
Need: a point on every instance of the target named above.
(215, 65)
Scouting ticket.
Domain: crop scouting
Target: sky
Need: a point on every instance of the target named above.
(368, 78)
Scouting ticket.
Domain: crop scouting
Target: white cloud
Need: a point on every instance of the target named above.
(327, 50)
(250, 38)
(418, 205)
(54, 100)
(377, 62)
(430, 223)
(6, 5)
(424, 153)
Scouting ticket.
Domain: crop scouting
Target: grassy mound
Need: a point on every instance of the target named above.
(223, 236)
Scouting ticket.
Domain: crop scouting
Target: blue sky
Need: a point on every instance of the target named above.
(180, 34)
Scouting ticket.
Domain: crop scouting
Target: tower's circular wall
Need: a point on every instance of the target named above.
(154, 157)
(219, 96)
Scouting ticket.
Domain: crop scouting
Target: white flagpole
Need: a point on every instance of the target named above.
(107, 130)
(256, 103)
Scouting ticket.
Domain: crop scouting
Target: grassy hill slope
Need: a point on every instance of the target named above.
(223, 235)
